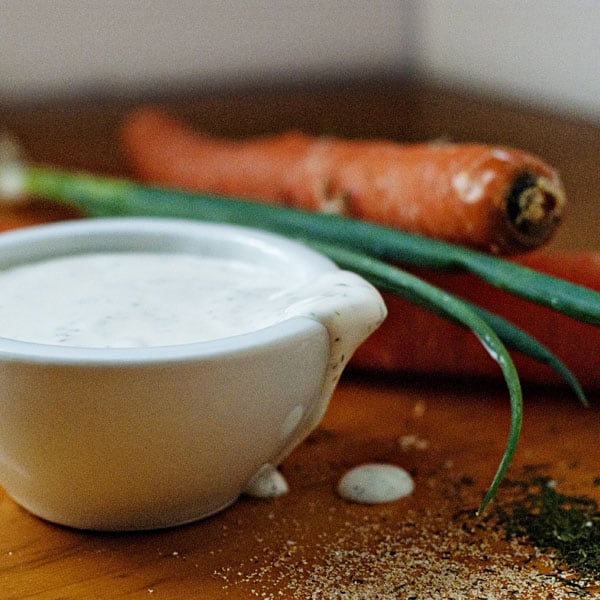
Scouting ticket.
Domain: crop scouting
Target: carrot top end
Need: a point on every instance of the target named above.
(533, 207)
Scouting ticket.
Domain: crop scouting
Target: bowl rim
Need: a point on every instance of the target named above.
(68, 236)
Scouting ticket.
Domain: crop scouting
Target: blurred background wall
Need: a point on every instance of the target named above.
(543, 52)
(47, 46)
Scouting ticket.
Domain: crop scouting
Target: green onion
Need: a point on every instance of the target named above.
(517, 339)
(98, 196)
(356, 245)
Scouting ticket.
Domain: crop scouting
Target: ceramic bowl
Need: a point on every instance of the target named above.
(141, 438)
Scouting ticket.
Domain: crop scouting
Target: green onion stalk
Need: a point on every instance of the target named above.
(372, 251)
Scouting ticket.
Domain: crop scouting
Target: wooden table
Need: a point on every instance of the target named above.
(448, 434)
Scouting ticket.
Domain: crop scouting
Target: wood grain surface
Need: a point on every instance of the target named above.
(448, 434)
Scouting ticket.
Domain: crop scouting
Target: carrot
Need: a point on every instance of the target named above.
(493, 198)
(412, 340)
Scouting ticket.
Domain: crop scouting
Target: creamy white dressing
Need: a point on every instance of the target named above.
(138, 299)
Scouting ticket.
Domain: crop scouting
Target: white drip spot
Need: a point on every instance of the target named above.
(267, 483)
(374, 483)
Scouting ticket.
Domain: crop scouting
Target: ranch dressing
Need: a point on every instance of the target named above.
(132, 299)
(142, 299)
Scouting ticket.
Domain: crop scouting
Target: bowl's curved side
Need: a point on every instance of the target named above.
(116, 447)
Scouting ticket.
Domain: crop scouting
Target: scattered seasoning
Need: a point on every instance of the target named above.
(430, 554)
(375, 484)
(566, 526)
(402, 550)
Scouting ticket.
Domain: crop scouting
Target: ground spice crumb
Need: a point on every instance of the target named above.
(419, 409)
(413, 442)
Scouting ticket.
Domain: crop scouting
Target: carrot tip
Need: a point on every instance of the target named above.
(534, 207)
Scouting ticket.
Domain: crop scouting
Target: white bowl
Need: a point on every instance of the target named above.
(140, 438)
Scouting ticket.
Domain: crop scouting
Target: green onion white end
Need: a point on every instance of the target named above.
(12, 176)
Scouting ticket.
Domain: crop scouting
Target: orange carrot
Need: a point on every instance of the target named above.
(496, 199)
(411, 339)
